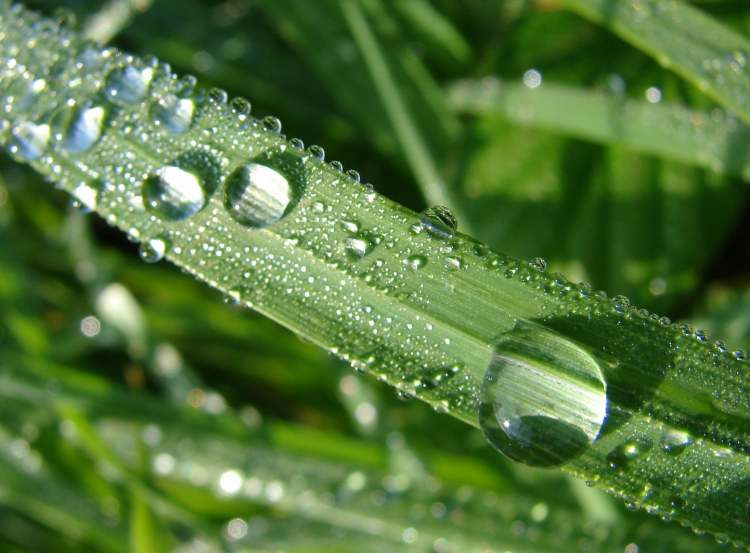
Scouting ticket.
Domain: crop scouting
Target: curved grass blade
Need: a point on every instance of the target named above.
(668, 131)
(649, 411)
(682, 38)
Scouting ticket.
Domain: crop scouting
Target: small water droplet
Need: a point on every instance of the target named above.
(28, 140)
(439, 221)
(173, 194)
(153, 250)
(352, 174)
(416, 262)
(674, 442)
(128, 85)
(173, 113)
(359, 245)
(241, 107)
(317, 152)
(538, 263)
(624, 454)
(620, 303)
(258, 195)
(272, 124)
(543, 398)
(77, 128)
(85, 197)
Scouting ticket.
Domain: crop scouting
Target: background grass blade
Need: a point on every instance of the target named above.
(670, 131)
(681, 37)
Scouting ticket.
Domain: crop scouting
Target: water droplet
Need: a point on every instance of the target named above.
(85, 197)
(28, 141)
(543, 397)
(241, 107)
(352, 174)
(674, 442)
(358, 246)
(624, 454)
(439, 221)
(173, 113)
(271, 124)
(416, 262)
(128, 85)
(173, 194)
(258, 195)
(538, 263)
(152, 251)
(77, 128)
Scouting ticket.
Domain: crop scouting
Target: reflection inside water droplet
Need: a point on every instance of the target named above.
(258, 195)
(543, 397)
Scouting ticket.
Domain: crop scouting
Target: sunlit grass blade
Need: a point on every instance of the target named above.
(556, 374)
(665, 130)
(684, 39)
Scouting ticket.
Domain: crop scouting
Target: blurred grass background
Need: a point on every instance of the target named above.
(139, 412)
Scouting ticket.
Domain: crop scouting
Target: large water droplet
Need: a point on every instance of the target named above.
(128, 85)
(77, 128)
(258, 195)
(28, 140)
(173, 194)
(543, 398)
(173, 113)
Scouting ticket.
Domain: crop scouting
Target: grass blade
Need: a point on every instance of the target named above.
(668, 131)
(682, 38)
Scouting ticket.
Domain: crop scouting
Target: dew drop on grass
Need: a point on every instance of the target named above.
(173, 114)
(173, 194)
(28, 140)
(674, 442)
(358, 246)
(153, 250)
(439, 221)
(543, 397)
(258, 195)
(128, 85)
(77, 128)
(85, 197)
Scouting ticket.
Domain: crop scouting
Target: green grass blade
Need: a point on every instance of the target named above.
(404, 297)
(683, 38)
(412, 142)
(668, 131)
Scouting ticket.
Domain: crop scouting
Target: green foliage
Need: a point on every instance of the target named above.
(173, 422)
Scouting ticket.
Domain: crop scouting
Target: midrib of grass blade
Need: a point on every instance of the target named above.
(684, 39)
(419, 306)
(665, 130)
